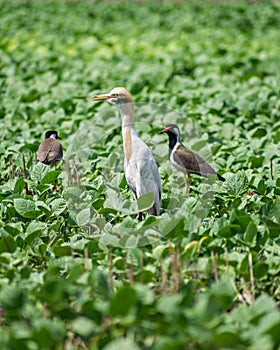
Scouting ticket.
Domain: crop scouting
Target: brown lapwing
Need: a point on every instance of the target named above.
(140, 167)
(185, 160)
(50, 150)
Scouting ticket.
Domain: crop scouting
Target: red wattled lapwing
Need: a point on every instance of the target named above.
(140, 167)
(50, 150)
(183, 159)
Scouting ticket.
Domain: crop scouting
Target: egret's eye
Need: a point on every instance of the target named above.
(114, 95)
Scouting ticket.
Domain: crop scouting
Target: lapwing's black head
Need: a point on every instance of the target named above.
(173, 133)
(51, 134)
(171, 129)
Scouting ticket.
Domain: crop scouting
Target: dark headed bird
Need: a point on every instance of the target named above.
(50, 150)
(183, 159)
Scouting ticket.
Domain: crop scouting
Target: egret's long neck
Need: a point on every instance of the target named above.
(127, 111)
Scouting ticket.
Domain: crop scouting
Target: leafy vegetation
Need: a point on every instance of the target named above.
(77, 269)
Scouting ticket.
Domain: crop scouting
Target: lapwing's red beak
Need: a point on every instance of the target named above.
(164, 130)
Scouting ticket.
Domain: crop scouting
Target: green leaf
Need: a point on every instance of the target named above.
(228, 231)
(14, 228)
(34, 230)
(83, 217)
(12, 298)
(50, 177)
(84, 327)
(64, 250)
(33, 214)
(7, 242)
(39, 171)
(121, 343)
(260, 269)
(48, 332)
(237, 184)
(24, 206)
(262, 187)
(19, 186)
(123, 302)
(146, 201)
(270, 324)
(58, 206)
(171, 226)
(250, 232)
(170, 305)
(226, 336)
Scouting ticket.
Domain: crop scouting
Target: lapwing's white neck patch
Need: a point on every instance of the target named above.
(177, 144)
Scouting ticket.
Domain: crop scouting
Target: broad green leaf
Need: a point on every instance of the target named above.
(34, 230)
(19, 186)
(226, 336)
(122, 343)
(250, 232)
(237, 184)
(146, 201)
(123, 301)
(83, 326)
(83, 217)
(48, 332)
(13, 228)
(260, 269)
(50, 177)
(64, 250)
(264, 304)
(24, 206)
(32, 214)
(39, 171)
(170, 305)
(58, 206)
(7, 242)
(228, 231)
(12, 298)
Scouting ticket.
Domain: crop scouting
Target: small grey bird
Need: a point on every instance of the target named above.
(183, 159)
(50, 150)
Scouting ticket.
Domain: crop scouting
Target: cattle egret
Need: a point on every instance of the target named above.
(140, 167)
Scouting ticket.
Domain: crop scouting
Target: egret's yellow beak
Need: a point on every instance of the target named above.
(101, 97)
(104, 97)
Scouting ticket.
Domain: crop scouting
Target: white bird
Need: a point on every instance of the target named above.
(140, 167)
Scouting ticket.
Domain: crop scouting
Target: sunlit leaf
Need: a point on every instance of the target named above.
(39, 171)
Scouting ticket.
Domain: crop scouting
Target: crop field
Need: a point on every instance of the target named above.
(77, 269)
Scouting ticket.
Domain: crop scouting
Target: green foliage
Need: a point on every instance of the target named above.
(77, 270)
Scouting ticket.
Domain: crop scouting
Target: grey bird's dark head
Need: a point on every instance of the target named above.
(51, 134)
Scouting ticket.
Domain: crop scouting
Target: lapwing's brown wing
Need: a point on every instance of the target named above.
(192, 162)
(50, 151)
